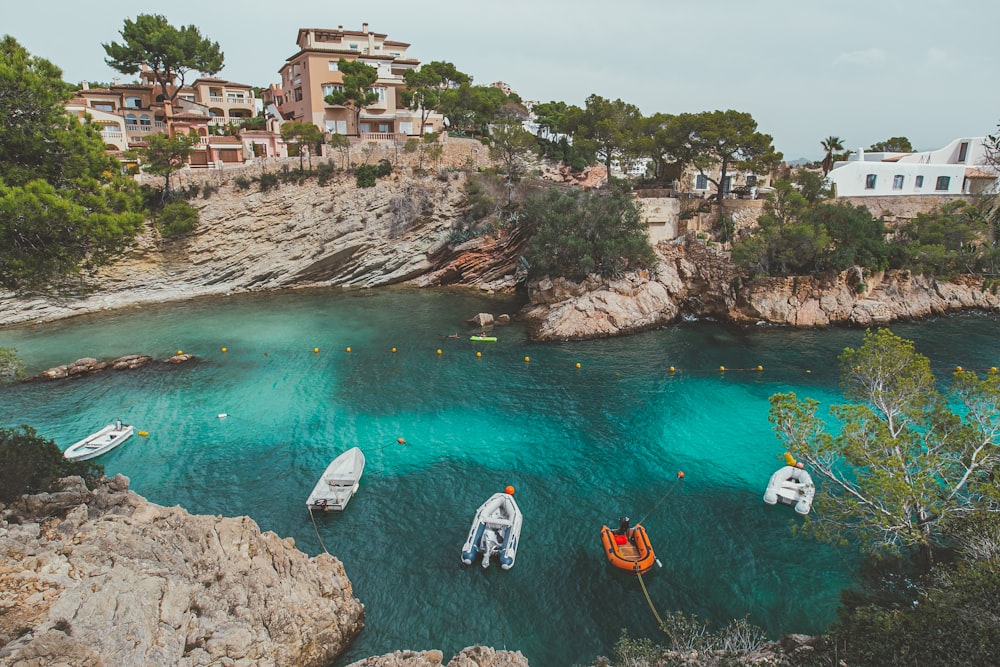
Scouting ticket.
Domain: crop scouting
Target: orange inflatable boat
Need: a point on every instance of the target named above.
(628, 549)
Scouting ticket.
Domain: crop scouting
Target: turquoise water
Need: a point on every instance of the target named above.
(582, 446)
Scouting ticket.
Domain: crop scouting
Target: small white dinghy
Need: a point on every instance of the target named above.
(496, 531)
(339, 482)
(792, 486)
(99, 443)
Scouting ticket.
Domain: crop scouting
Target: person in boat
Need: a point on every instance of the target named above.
(118, 424)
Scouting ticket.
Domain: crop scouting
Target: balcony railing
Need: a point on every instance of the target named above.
(382, 136)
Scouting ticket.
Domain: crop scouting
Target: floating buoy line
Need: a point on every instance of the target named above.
(673, 369)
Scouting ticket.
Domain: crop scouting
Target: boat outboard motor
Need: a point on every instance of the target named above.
(623, 525)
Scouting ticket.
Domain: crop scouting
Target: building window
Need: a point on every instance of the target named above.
(144, 120)
(332, 65)
(130, 118)
(752, 181)
(918, 182)
(701, 182)
(298, 94)
(331, 88)
(942, 183)
(897, 182)
(354, 47)
(870, 182)
(380, 92)
(963, 151)
(133, 102)
(104, 106)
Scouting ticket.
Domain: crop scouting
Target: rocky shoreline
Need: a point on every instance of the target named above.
(693, 280)
(102, 576)
(401, 232)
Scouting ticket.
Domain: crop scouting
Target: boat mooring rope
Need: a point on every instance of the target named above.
(316, 529)
(680, 479)
(650, 601)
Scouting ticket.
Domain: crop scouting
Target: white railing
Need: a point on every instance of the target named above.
(216, 98)
(382, 136)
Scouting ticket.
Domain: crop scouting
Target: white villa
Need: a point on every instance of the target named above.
(960, 168)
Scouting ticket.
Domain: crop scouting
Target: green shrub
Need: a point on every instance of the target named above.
(242, 182)
(324, 172)
(577, 233)
(268, 181)
(365, 176)
(177, 218)
(11, 366)
(32, 464)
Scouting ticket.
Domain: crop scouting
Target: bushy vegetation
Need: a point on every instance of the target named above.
(11, 366)
(366, 174)
(575, 234)
(946, 617)
(796, 236)
(65, 208)
(177, 219)
(954, 239)
(32, 464)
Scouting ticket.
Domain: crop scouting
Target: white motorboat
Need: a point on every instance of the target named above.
(339, 482)
(496, 531)
(792, 486)
(99, 443)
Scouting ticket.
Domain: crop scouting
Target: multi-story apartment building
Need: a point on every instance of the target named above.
(128, 113)
(312, 73)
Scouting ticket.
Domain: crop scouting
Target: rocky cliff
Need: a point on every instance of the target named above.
(402, 231)
(101, 576)
(293, 236)
(692, 279)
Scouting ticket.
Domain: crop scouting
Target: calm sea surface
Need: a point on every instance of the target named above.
(582, 446)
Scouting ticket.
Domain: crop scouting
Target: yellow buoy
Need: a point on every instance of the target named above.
(808, 371)
(722, 368)
(672, 369)
(225, 349)
(144, 433)
(479, 354)
(760, 368)
(315, 349)
(993, 369)
(527, 359)
(958, 368)
(179, 352)
(348, 349)
(394, 350)
(439, 350)
(578, 364)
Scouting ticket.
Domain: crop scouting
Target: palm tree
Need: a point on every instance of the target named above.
(830, 144)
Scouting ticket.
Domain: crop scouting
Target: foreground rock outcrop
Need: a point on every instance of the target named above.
(103, 577)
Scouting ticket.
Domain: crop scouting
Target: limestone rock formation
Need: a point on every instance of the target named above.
(89, 365)
(694, 280)
(473, 656)
(294, 236)
(103, 577)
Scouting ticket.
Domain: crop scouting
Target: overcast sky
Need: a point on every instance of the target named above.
(862, 70)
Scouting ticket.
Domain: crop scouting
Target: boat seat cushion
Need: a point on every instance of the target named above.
(497, 522)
